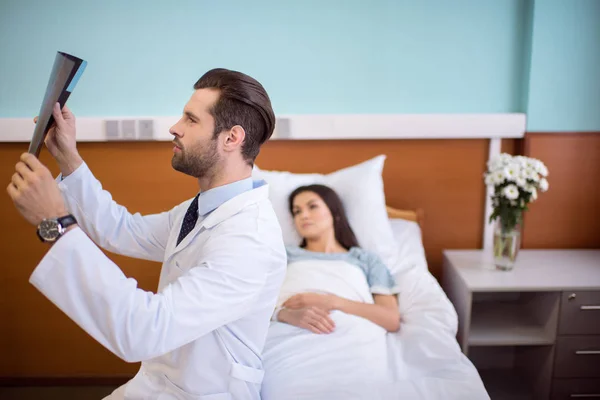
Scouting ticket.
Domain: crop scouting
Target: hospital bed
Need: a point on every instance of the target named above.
(362, 361)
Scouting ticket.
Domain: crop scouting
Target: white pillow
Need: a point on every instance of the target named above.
(360, 188)
(411, 253)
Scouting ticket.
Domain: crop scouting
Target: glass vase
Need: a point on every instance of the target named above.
(507, 242)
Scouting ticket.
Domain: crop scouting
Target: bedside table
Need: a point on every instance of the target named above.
(533, 332)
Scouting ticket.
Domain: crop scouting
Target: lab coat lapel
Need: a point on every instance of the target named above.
(224, 211)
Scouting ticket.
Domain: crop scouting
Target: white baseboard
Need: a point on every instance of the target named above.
(306, 127)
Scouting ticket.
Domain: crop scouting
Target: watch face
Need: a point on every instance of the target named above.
(49, 230)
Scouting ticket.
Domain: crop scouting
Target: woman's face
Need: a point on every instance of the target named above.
(311, 215)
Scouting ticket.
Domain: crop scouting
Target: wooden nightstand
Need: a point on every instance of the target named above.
(534, 332)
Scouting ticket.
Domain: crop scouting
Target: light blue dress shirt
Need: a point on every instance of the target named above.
(211, 199)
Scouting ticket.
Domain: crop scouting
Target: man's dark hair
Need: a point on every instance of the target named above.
(242, 101)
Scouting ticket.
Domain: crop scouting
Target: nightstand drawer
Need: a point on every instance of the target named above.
(580, 313)
(577, 357)
(572, 389)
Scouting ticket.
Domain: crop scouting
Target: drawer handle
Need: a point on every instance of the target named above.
(587, 352)
(589, 308)
(585, 396)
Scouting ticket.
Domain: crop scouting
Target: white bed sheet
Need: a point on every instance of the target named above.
(359, 360)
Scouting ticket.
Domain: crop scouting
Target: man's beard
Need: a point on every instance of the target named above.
(197, 161)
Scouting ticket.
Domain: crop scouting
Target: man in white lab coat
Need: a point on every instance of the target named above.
(201, 335)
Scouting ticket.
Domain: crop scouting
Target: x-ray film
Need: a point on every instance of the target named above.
(66, 72)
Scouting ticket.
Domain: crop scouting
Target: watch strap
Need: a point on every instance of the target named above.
(66, 221)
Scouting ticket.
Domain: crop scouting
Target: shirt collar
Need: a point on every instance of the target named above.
(213, 198)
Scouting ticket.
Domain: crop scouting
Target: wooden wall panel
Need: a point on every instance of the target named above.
(512, 146)
(568, 215)
(443, 177)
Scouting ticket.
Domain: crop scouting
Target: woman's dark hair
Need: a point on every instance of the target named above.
(243, 101)
(343, 232)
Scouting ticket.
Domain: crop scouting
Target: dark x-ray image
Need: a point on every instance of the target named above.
(65, 73)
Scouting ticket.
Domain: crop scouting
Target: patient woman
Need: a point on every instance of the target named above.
(338, 274)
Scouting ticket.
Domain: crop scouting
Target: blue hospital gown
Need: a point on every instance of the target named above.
(378, 276)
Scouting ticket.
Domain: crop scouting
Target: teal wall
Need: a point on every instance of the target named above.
(313, 56)
(346, 56)
(564, 88)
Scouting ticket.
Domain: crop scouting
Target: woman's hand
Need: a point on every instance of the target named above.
(314, 319)
(326, 302)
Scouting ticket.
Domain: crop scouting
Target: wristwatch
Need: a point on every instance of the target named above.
(50, 230)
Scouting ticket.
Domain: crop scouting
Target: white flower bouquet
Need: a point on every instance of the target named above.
(516, 181)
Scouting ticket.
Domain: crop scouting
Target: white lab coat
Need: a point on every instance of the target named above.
(202, 334)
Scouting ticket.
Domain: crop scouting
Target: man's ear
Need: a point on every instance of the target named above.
(234, 138)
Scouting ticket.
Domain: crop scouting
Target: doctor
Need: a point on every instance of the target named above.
(201, 335)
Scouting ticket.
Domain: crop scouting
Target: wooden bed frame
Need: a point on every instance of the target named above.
(409, 215)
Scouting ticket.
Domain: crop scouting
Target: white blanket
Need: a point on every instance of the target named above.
(359, 360)
(331, 276)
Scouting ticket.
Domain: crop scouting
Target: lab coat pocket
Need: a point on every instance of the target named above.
(174, 392)
(141, 386)
(245, 381)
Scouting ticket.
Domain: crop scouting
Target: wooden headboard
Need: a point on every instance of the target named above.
(409, 215)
